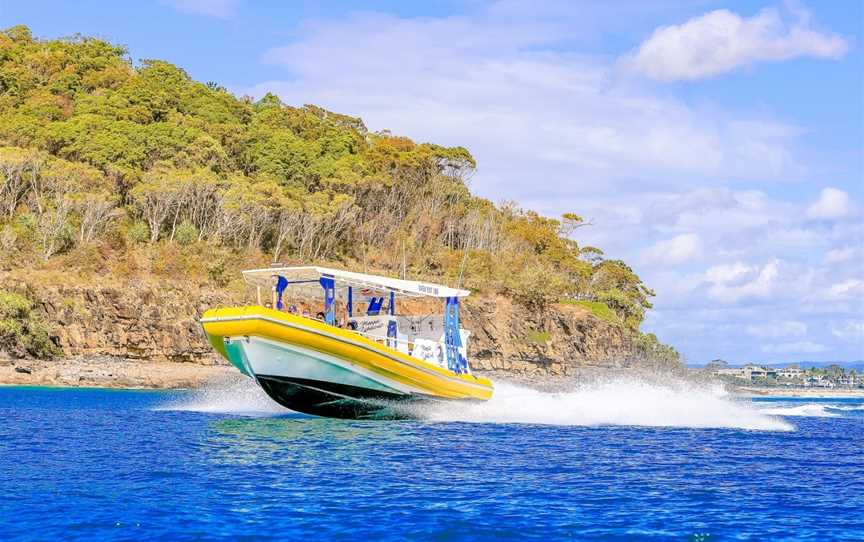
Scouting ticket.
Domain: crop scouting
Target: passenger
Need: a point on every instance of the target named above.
(320, 316)
(292, 309)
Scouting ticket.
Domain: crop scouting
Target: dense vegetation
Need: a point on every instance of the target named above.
(121, 168)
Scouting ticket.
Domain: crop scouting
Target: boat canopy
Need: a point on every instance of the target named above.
(308, 278)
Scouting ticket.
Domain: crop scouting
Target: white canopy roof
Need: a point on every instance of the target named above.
(360, 281)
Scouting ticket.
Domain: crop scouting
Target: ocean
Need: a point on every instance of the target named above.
(616, 461)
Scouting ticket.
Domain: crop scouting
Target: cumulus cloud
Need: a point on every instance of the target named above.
(852, 288)
(798, 347)
(734, 282)
(680, 248)
(776, 330)
(833, 203)
(562, 131)
(213, 8)
(840, 255)
(722, 41)
(850, 331)
(504, 89)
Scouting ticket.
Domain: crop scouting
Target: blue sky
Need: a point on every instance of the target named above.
(715, 145)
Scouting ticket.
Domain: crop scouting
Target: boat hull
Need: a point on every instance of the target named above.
(322, 398)
(318, 369)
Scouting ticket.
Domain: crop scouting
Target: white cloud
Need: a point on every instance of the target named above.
(722, 41)
(504, 89)
(734, 282)
(848, 289)
(561, 131)
(800, 347)
(680, 248)
(850, 331)
(777, 330)
(213, 8)
(729, 274)
(833, 203)
(840, 255)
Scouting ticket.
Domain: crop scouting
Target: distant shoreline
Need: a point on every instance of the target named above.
(815, 393)
(114, 373)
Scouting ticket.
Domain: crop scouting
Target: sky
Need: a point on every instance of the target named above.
(717, 147)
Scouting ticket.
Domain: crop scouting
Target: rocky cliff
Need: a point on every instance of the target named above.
(151, 324)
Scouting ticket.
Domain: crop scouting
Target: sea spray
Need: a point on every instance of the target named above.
(238, 395)
(615, 402)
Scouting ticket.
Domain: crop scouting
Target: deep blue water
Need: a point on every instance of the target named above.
(114, 465)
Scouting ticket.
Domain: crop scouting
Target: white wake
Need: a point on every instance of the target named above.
(810, 410)
(616, 402)
(240, 396)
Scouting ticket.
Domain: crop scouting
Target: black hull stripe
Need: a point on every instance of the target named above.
(335, 400)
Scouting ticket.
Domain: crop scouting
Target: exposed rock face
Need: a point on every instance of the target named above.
(565, 338)
(157, 325)
(138, 323)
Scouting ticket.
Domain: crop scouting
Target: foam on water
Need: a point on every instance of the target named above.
(616, 402)
(811, 410)
(240, 395)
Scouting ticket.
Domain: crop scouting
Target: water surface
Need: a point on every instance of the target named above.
(621, 461)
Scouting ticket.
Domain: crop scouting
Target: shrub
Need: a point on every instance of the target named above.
(186, 233)
(139, 232)
(650, 349)
(536, 286)
(21, 330)
(598, 309)
(539, 337)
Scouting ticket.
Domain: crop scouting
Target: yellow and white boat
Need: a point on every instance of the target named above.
(347, 363)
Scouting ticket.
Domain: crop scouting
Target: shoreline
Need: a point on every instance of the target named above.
(755, 392)
(104, 372)
(110, 373)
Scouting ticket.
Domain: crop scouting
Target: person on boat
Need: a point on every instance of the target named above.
(292, 309)
(320, 316)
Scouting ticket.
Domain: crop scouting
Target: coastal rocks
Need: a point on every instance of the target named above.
(559, 342)
(136, 323)
(109, 372)
(145, 325)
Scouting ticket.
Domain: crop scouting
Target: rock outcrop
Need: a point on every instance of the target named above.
(559, 342)
(151, 324)
(137, 323)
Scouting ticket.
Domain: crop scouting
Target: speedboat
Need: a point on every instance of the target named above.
(358, 357)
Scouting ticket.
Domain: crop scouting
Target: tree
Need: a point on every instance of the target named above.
(19, 170)
(98, 138)
(85, 191)
(155, 199)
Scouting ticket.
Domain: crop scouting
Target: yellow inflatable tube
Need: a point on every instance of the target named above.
(344, 344)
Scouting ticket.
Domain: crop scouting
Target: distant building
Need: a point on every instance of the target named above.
(749, 372)
(757, 372)
(791, 373)
(734, 372)
(849, 380)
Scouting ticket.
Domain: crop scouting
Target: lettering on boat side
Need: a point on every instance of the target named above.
(428, 289)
